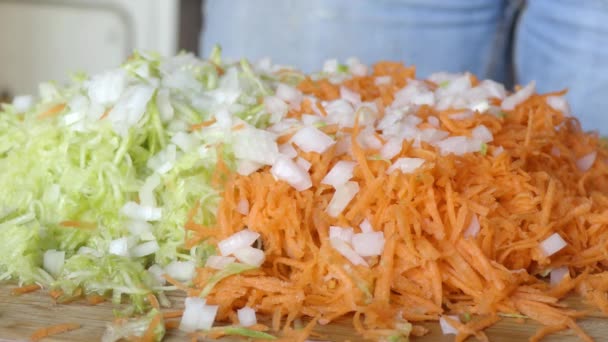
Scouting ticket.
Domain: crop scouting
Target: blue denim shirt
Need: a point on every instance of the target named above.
(559, 43)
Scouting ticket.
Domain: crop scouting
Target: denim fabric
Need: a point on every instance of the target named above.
(558, 43)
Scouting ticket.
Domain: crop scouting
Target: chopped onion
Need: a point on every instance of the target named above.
(553, 244)
(145, 248)
(197, 315)
(246, 317)
(219, 262)
(344, 234)
(276, 107)
(558, 274)
(330, 66)
(559, 103)
(433, 120)
(303, 163)
(482, 133)
(368, 244)
(146, 192)
(250, 256)
(462, 115)
(586, 162)
(243, 206)
(119, 247)
(247, 167)
(446, 328)
(341, 173)
(366, 226)
(106, 88)
(473, 228)
(391, 148)
(186, 142)
(343, 195)
(244, 238)
(53, 261)
(382, 80)
(163, 102)
(311, 139)
(90, 251)
(22, 103)
(287, 170)
(405, 165)
(191, 315)
(139, 227)
(497, 151)
(288, 150)
(130, 108)
(310, 120)
(520, 96)
(140, 212)
(157, 273)
(349, 95)
(264, 150)
(180, 270)
(289, 94)
(347, 252)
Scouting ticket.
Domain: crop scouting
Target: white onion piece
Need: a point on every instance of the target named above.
(180, 270)
(246, 317)
(243, 207)
(119, 247)
(343, 195)
(559, 103)
(493, 88)
(219, 262)
(497, 151)
(244, 238)
(90, 251)
(106, 88)
(311, 139)
(303, 163)
(289, 94)
(349, 95)
(191, 315)
(382, 80)
(139, 212)
(463, 115)
(53, 261)
(473, 228)
(347, 252)
(446, 328)
(558, 274)
(586, 162)
(310, 120)
(276, 107)
(163, 102)
(145, 248)
(22, 103)
(391, 148)
(341, 173)
(146, 192)
(368, 244)
(330, 66)
(520, 96)
(186, 142)
(247, 167)
(157, 273)
(553, 244)
(250, 256)
(366, 226)
(405, 165)
(433, 120)
(287, 170)
(224, 119)
(482, 133)
(288, 150)
(130, 108)
(138, 228)
(264, 150)
(344, 234)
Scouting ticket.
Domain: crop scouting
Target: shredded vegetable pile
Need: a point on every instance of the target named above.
(356, 192)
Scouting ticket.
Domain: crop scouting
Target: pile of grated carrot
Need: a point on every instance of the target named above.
(429, 269)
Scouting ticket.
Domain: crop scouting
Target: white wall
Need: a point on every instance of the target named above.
(44, 40)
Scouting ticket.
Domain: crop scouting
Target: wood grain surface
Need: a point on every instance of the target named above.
(20, 316)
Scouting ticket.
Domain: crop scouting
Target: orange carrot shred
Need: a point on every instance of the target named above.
(53, 330)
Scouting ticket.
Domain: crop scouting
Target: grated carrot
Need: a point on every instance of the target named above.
(51, 112)
(25, 289)
(53, 330)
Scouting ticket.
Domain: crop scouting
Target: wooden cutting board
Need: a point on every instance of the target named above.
(20, 316)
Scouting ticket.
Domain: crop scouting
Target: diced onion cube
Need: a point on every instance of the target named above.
(368, 244)
(219, 262)
(140, 212)
(343, 195)
(311, 139)
(244, 238)
(119, 247)
(250, 256)
(246, 316)
(180, 270)
(553, 244)
(346, 251)
(287, 170)
(344, 234)
(405, 165)
(586, 162)
(341, 173)
(145, 248)
(447, 328)
(473, 228)
(53, 261)
(558, 274)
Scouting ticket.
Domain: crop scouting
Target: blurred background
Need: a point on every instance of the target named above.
(47, 39)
